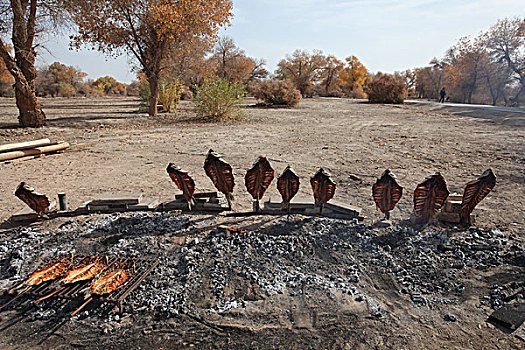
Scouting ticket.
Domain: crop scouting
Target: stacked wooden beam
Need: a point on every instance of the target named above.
(30, 149)
(451, 211)
(305, 206)
(205, 201)
(117, 203)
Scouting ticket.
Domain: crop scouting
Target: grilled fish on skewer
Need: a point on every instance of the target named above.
(288, 186)
(429, 197)
(56, 268)
(184, 182)
(258, 179)
(86, 270)
(323, 188)
(386, 192)
(221, 174)
(112, 279)
(474, 193)
(36, 201)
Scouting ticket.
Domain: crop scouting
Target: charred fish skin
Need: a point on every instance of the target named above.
(221, 174)
(323, 188)
(429, 197)
(387, 192)
(183, 181)
(258, 179)
(475, 191)
(86, 271)
(288, 186)
(36, 201)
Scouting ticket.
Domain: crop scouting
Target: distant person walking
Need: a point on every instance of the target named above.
(442, 95)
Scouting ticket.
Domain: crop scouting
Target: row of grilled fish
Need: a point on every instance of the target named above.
(70, 269)
(257, 181)
(429, 196)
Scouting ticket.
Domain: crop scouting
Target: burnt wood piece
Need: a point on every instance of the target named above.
(184, 182)
(258, 179)
(429, 197)
(288, 186)
(474, 193)
(221, 174)
(323, 188)
(386, 192)
(36, 201)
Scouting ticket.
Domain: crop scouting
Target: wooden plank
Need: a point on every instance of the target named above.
(144, 206)
(28, 214)
(296, 203)
(449, 217)
(117, 199)
(343, 208)
(202, 195)
(24, 145)
(33, 151)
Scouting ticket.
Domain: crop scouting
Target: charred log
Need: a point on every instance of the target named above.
(429, 197)
(323, 188)
(258, 179)
(288, 186)
(387, 193)
(221, 174)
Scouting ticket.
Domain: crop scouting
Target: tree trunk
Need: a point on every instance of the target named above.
(22, 66)
(154, 94)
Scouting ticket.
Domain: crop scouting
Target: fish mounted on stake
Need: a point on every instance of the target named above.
(258, 179)
(474, 193)
(36, 201)
(221, 174)
(323, 188)
(184, 182)
(288, 186)
(387, 193)
(429, 197)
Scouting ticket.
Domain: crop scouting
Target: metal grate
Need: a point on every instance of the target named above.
(79, 291)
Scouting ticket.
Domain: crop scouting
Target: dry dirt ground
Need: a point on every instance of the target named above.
(116, 149)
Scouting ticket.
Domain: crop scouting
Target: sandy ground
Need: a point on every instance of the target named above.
(116, 149)
(119, 150)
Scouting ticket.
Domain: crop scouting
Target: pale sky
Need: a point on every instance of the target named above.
(386, 36)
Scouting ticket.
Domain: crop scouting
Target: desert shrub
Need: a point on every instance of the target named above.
(219, 99)
(276, 92)
(384, 88)
(66, 90)
(169, 95)
(187, 94)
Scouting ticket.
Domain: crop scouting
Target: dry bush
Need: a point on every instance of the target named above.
(169, 95)
(187, 94)
(384, 88)
(219, 99)
(276, 92)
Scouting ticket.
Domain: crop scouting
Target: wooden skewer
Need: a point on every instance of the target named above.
(49, 295)
(82, 306)
(15, 298)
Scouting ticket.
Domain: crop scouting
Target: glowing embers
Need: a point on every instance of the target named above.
(323, 188)
(429, 197)
(387, 193)
(474, 193)
(258, 179)
(36, 201)
(184, 182)
(288, 186)
(221, 174)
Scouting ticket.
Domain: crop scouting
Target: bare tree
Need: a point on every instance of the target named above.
(506, 44)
